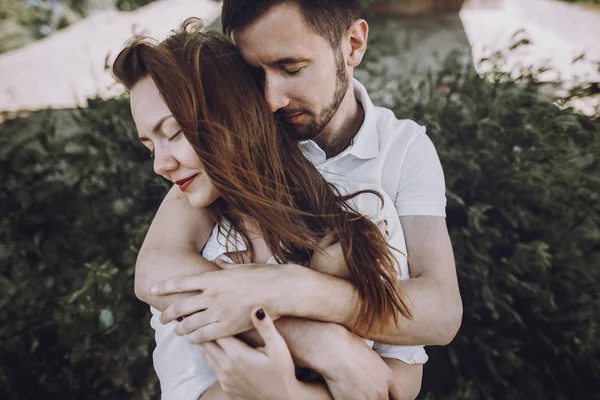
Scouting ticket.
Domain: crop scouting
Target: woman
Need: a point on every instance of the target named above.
(201, 112)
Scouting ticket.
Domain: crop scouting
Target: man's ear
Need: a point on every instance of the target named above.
(357, 36)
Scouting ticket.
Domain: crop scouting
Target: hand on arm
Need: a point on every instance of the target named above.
(349, 367)
(266, 373)
(432, 291)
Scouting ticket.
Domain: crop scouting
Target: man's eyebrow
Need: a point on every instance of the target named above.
(291, 60)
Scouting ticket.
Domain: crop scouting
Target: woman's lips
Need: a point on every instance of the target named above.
(184, 184)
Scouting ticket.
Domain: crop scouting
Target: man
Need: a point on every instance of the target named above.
(307, 52)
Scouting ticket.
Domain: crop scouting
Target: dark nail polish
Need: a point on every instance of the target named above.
(385, 220)
(387, 234)
(260, 314)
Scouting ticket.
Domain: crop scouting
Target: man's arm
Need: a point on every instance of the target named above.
(406, 381)
(350, 368)
(310, 390)
(172, 247)
(432, 291)
(293, 290)
(406, 384)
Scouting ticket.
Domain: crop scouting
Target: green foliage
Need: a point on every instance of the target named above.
(77, 196)
(523, 180)
(583, 1)
(129, 5)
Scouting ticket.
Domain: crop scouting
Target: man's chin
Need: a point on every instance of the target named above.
(302, 132)
(302, 136)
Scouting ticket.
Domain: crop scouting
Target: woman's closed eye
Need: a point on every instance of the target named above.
(175, 136)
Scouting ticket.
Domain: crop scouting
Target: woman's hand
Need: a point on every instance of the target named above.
(330, 260)
(254, 374)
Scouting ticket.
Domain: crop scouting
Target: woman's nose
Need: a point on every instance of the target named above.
(164, 161)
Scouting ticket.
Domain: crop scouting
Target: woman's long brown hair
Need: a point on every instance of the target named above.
(258, 167)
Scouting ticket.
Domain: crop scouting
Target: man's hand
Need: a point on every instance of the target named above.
(224, 302)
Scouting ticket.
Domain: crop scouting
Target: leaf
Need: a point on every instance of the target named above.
(106, 318)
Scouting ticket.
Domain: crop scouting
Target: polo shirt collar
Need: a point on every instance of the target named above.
(365, 144)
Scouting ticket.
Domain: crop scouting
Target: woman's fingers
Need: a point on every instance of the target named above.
(327, 240)
(383, 228)
(266, 328)
(212, 354)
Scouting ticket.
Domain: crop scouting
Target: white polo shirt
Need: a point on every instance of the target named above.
(396, 155)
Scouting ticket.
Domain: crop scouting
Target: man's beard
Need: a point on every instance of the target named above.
(319, 122)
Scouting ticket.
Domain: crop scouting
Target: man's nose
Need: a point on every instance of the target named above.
(164, 162)
(275, 94)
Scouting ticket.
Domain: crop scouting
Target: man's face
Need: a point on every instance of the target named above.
(305, 80)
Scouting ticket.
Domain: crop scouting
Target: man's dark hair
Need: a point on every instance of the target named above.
(327, 18)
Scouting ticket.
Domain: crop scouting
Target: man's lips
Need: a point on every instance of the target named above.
(293, 117)
(184, 184)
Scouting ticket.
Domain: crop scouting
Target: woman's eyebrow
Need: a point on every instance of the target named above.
(157, 127)
(160, 122)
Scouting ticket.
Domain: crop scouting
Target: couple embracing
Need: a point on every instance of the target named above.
(302, 252)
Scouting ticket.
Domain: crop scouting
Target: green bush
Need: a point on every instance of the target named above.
(78, 193)
(523, 182)
(523, 188)
(583, 1)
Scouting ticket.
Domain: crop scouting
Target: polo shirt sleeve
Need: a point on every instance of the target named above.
(406, 354)
(422, 188)
(181, 370)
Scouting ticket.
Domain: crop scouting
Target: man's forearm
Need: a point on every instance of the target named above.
(307, 391)
(172, 246)
(154, 265)
(309, 341)
(310, 294)
(406, 381)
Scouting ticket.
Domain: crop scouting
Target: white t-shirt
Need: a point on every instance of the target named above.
(399, 159)
(181, 370)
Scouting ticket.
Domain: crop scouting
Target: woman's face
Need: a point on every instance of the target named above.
(174, 157)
